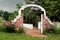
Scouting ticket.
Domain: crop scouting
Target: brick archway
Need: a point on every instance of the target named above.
(18, 21)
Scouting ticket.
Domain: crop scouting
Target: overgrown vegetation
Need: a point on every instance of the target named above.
(6, 15)
(52, 30)
(10, 28)
(21, 30)
(18, 36)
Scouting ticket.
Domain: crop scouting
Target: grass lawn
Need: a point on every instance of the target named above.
(16, 36)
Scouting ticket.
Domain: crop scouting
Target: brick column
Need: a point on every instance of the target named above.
(46, 24)
(43, 23)
(19, 22)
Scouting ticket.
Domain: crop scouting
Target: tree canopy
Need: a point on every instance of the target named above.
(52, 7)
(6, 15)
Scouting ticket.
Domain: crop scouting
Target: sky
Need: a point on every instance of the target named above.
(9, 5)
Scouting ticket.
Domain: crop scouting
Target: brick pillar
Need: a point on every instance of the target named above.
(46, 24)
(19, 22)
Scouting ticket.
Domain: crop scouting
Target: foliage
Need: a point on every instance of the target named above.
(46, 30)
(21, 30)
(18, 5)
(56, 30)
(53, 30)
(8, 23)
(6, 15)
(1, 13)
(11, 17)
(15, 13)
(52, 9)
(2, 28)
(10, 28)
(30, 16)
(34, 2)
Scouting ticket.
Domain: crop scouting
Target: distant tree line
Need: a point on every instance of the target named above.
(6, 15)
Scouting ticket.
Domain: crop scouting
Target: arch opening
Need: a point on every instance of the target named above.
(32, 16)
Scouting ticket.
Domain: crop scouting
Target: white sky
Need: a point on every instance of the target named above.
(9, 5)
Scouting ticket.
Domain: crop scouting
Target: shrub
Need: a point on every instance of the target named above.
(10, 28)
(56, 30)
(2, 28)
(53, 30)
(21, 30)
(8, 23)
(45, 31)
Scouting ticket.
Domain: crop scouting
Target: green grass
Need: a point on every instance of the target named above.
(17, 36)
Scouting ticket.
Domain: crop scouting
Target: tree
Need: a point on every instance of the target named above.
(1, 13)
(31, 16)
(34, 2)
(18, 5)
(52, 8)
(11, 18)
(6, 15)
(15, 13)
